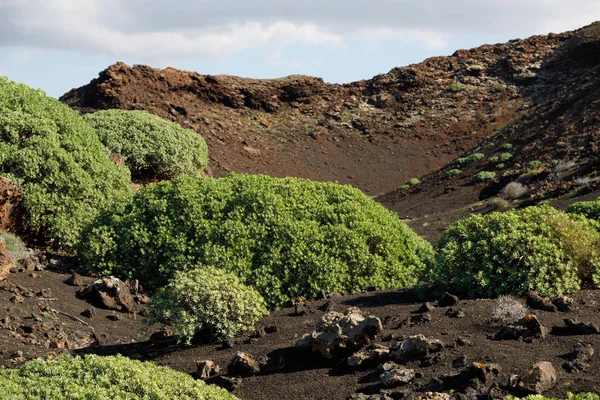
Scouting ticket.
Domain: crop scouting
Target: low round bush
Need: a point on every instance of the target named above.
(538, 248)
(590, 209)
(469, 159)
(285, 237)
(208, 300)
(504, 157)
(95, 377)
(412, 182)
(483, 176)
(152, 147)
(453, 172)
(64, 170)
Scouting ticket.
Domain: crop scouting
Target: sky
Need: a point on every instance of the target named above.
(57, 45)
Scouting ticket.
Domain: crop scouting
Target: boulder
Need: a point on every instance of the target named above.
(527, 328)
(207, 369)
(448, 300)
(540, 303)
(397, 376)
(110, 293)
(6, 263)
(243, 364)
(415, 347)
(581, 328)
(338, 334)
(540, 378)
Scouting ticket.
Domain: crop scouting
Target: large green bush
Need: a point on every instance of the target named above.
(207, 299)
(64, 169)
(538, 248)
(590, 209)
(285, 237)
(152, 146)
(102, 378)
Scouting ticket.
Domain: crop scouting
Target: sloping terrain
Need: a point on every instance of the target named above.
(373, 134)
(552, 149)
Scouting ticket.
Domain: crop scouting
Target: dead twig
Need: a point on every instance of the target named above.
(71, 316)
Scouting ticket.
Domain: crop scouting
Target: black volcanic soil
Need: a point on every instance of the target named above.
(304, 376)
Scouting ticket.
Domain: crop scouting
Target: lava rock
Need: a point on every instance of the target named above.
(75, 280)
(448, 300)
(540, 303)
(425, 308)
(398, 376)
(415, 347)
(110, 293)
(540, 378)
(243, 364)
(338, 334)
(581, 328)
(89, 313)
(6, 263)
(563, 303)
(207, 369)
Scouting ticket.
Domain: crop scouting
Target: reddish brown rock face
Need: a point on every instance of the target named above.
(11, 211)
(6, 263)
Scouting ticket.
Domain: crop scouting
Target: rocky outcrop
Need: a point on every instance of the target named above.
(6, 262)
(337, 334)
(110, 293)
(12, 213)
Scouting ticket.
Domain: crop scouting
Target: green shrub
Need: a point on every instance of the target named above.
(65, 171)
(95, 377)
(590, 209)
(403, 187)
(469, 159)
(456, 87)
(535, 164)
(453, 172)
(570, 396)
(494, 159)
(207, 299)
(412, 182)
(510, 253)
(152, 146)
(505, 157)
(507, 146)
(561, 144)
(484, 176)
(500, 166)
(285, 237)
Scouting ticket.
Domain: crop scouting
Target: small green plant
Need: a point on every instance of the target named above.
(505, 157)
(95, 377)
(453, 172)
(16, 248)
(206, 299)
(412, 182)
(456, 87)
(152, 147)
(561, 144)
(500, 166)
(507, 146)
(513, 190)
(484, 176)
(570, 396)
(57, 158)
(589, 209)
(498, 203)
(535, 164)
(509, 253)
(494, 159)
(469, 159)
(403, 187)
(517, 165)
(555, 163)
(287, 238)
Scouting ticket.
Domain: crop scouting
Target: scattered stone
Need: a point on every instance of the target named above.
(527, 328)
(563, 303)
(164, 334)
(387, 366)
(581, 328)
(141, 298)
(461, 341)
(459, 362)
(113, 317)
(89, 313)
(452, 313)
(34, 275)
(6, 263)
(207, 369)
(30, 263)
(540, 378)
(75, 280)
(271, 329)
(448, 300)
(258, 333)
(228, 344)
(376, 354)
(474, 376)
(578, 358)
(540, 303)
(415, 347)
(398, 376)
(110, 293)
(425, 308)
(243, 364)
(16, 298)
(46, 293)
(337, 334)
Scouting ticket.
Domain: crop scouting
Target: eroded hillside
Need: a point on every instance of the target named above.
(373, 134)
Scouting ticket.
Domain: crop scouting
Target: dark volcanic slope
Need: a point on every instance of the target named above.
(374, 134)
(560, 128)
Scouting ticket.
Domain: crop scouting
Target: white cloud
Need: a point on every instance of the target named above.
(217, 28)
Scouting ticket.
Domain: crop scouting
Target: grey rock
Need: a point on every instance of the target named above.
(398, 376)
(540, 378)
(207, 369)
